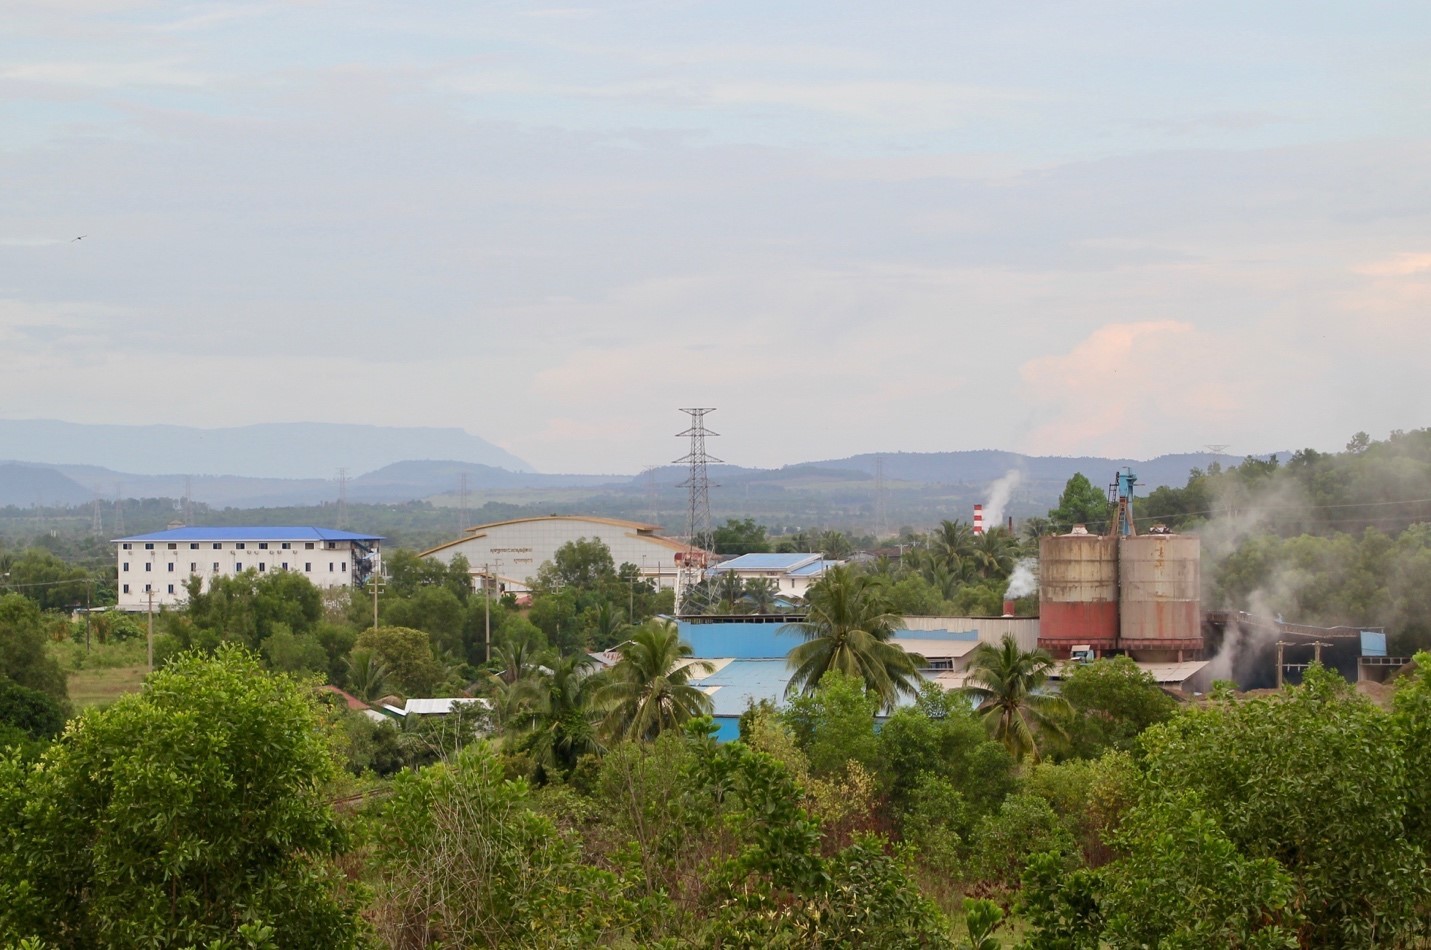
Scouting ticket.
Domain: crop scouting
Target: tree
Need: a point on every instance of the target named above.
(367, 676)
(1117, 700)
(1004, 681)
(22, 648)
(741, 537)
(406, 654)
(585, 564)
(649, 691)
(1080, 503)
(194, 813)
(847, 627)
(560, 725)
(468, 861)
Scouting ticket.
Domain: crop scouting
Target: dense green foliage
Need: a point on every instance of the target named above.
(190, 813)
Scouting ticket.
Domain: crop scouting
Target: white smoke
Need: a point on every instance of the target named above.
(1024, 580)
(999, 494)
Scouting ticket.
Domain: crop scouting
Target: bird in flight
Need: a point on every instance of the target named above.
(80, 238)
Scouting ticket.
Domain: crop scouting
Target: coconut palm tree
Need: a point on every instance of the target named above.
(560, 725)
(847, 627)
(367, 676)
(994, 554)
(649, 691)
(1005, 681)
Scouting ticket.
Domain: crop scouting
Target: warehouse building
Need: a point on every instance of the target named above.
(508, 554)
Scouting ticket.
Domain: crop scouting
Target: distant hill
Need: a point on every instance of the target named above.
(271, 450)
(988, 465)
(26, 485)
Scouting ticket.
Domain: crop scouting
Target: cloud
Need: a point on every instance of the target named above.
(1400, 265)
(1125, 381)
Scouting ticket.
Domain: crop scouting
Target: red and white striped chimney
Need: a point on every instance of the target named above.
(978, 519)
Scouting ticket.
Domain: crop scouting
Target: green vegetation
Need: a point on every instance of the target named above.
(585, 805)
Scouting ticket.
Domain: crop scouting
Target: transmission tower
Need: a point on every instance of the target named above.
(342, 499)
(879, 512)
(698, 512)
(188, 499)
(462, 496)
(118, 509)
(96, 523)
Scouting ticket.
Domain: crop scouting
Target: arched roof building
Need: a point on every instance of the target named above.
(511, 552)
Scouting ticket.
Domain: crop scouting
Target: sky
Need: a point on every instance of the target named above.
(1089, 227)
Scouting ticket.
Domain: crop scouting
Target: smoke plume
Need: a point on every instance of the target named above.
(999, 494)
(1024, 580)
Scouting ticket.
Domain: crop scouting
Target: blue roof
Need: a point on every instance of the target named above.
(252, 533)
(743, 682)
(766, 562)
(808, 570)
(752, 641)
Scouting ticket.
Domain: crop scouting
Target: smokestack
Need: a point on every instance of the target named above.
(978, 519)
(1011, 524)
(1008, 608)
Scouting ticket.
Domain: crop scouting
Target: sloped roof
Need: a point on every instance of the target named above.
(767, 562)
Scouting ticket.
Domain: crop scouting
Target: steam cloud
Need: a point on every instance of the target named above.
(999, 494)
(1024, 580)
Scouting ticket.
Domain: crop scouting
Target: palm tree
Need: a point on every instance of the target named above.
(560, 725)
(994, 554)
(367, 676)
(649, 690)
(847, 627)
(1005, 680)
(761, 593)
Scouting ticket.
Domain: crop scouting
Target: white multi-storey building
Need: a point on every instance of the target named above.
(160, 564)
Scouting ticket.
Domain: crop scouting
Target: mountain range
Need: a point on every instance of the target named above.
(65, 464)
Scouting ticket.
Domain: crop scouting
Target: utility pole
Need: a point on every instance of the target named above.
(150, 592)
(377, 583)
(487, 606)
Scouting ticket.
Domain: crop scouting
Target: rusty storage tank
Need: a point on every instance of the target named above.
(1077, 592)
(1160, 580)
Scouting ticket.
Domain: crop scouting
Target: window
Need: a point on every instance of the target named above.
(216, 567)
(238, 546)
(286, 545)
(125, 567)
(238, 566)
(308, 546)
(218, 546)
(343, 567)
(193, 567)
(148, 566)
(171, 567)
(330, 567)
(194, 546)
(127, 547)
(308, 566)
(171, 588)
(262, 567)
(285, 565)
(147, 588)
(126, 588)
(148, 547)
(332, 545)
(263, 545)
(173, 546)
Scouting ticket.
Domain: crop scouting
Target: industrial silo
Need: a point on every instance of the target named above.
(1159, 575)
(1077, 592)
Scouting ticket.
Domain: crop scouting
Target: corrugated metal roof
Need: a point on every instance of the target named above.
(437, 707)
(1174, 672)
(252, 533)
(767, 562)
(938, 649)
(819, 567)
(738, 683)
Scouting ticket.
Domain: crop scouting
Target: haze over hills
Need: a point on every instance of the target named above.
(916, 484)
(296, 450)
